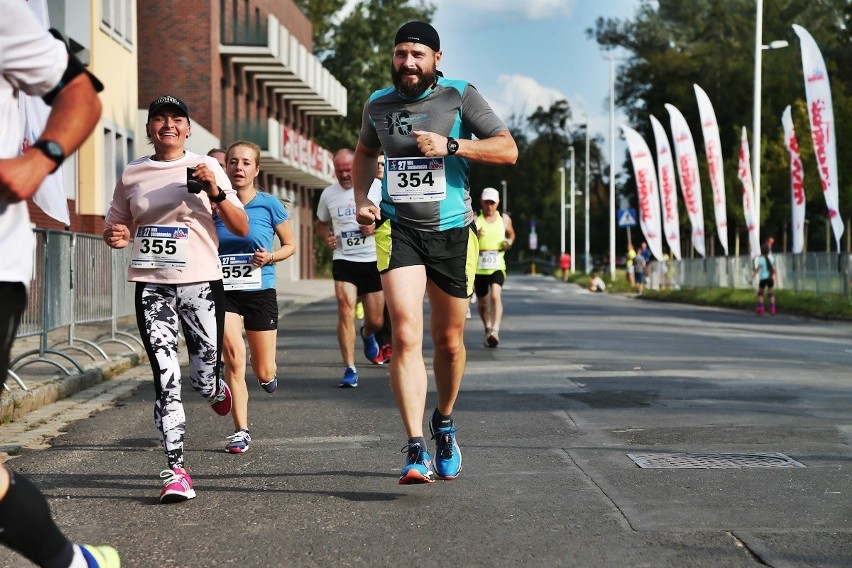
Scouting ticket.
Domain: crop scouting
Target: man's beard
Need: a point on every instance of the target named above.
(413, 90)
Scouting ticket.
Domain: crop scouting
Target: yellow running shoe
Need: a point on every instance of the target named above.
(100, 556)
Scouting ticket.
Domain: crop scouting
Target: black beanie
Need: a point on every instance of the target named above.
(419, 32)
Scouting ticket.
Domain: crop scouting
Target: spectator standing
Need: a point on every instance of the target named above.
(628, 263)
(251, 300)
(645, 251)
(35, 63)
(565, 265)
(426, 240)
(168, 200)
(640, 269)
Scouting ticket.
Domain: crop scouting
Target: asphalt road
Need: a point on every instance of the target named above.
(546, 423)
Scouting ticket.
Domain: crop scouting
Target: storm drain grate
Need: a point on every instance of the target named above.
(683, 460)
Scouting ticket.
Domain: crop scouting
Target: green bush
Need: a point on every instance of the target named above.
(801, 303)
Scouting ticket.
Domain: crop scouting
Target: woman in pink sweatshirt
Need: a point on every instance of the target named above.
(163, 204)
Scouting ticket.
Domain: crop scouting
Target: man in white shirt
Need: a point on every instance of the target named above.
(34, 62)
(353, 266)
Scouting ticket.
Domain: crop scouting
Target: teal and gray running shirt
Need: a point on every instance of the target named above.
(452, 108)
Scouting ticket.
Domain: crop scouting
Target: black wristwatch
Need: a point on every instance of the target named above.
(52, 150)
(452, 146)
(220, 197)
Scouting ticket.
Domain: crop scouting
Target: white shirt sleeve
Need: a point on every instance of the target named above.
(30, 58)
(323, 214)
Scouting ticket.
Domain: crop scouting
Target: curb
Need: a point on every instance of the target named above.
(18, 403)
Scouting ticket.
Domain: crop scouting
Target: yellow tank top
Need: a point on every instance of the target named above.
(491, 253)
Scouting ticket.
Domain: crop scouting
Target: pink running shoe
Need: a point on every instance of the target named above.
(177, 486)
(387, 352)
(221, 403)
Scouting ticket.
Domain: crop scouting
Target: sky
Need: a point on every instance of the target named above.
(522, 54)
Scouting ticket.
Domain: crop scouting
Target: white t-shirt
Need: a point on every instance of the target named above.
(338, 206)
(32, 61)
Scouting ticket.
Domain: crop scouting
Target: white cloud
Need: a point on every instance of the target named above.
(530, 9)
(521, 95)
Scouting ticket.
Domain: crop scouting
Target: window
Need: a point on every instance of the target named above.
(118, 151)
(117, 20)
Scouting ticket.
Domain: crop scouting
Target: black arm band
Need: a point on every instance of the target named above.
(74, 68)
(219, 197)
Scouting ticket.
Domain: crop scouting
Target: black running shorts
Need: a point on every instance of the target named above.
(482, 282)
(364, 275)
(259, 308)
(450, 256)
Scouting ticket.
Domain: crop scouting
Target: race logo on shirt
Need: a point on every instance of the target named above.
(402, 123)
(348, 211)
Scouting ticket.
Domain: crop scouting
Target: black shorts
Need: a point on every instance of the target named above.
(639, 277)
(365, 275)
(450, 256)
(482, 282)
(766, 283)
(259, 308)
(13, 302)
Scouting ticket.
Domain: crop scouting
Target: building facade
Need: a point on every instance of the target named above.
(246, 70)
(103, 36)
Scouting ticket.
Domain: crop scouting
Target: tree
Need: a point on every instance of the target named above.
(533, 184)
(357, 51)
(677, 43)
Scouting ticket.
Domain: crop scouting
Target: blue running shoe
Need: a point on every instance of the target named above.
(271, 386)
(350, 379)
(418, 465)
(372, 351)
(448, 458)
(239, 442)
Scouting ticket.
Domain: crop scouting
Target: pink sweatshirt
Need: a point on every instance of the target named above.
(154, 193)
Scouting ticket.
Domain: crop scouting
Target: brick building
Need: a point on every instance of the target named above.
(246, 70)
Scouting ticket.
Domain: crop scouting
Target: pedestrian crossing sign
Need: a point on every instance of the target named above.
(626, 218)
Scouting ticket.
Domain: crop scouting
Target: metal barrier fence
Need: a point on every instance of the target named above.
(829, 273)
(77, 279)
(814, 272)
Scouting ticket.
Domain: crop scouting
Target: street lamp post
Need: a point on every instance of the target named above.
(588, 260)
(505, 206)
(562, 210)
(571, 206)
(755, 135)
(573, 214)
(612, 165)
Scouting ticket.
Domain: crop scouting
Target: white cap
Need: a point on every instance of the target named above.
(490, 194)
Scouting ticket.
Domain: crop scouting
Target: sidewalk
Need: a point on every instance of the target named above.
(46, 383)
